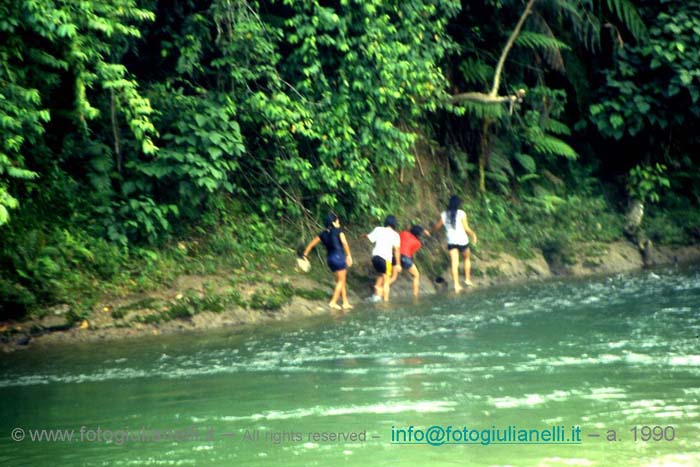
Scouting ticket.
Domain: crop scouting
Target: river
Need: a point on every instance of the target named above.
(559, 373)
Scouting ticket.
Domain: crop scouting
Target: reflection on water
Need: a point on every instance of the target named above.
(608, 354)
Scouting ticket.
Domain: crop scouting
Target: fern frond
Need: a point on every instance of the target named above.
(554, 146)
(552, 55)
(545, 44)
(527, 162)
(499, 168)
(497, 176)
(500, 164)
(576, 73)
(475, 71)
(481, 110)
(536, 40)
(585, 25)
(501, 181)
(527, 177)
(555, 126)
(22, 174)
(546, 201)
(627, 13)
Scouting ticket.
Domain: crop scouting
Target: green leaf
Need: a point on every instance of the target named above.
(616, 121)
(215, 152)
(526, 161)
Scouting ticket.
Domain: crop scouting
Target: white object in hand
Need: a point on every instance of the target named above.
(304, 264)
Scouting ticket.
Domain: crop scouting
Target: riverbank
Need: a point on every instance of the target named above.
(241, 298)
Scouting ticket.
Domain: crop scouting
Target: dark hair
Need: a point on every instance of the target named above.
(330, 218)
(417, 231)
(390, 221)
(452, 206)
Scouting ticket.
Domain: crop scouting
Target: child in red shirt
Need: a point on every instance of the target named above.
(410, 244)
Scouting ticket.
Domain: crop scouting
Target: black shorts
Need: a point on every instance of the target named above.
(380, 265)
(406, 262)
(461, 248)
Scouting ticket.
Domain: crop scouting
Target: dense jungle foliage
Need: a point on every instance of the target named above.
(139, 134)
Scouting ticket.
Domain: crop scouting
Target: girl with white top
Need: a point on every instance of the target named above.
(458, 234)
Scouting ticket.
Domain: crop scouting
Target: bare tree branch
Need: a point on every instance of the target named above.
(492, 97)
(509, 45)
(487, 98)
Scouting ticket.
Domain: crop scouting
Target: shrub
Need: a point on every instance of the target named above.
(267, 297)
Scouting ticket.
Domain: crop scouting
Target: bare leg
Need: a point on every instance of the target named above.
(379, 286)
(344, 290)
(467, 267)
(339, 279)
(387, 280)
(454, 265)
(416, 280)
(394, 275)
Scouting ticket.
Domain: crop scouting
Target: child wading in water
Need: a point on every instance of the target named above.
(386, 249)
(458, 233)
(338, 258)
(410, 244)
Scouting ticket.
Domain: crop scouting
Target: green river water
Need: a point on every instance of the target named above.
(615, 354)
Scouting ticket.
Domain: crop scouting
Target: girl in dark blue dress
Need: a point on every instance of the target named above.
(338, 258)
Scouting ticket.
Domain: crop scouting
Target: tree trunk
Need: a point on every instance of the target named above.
(634, 217)
(484, 153)
(115, 131)
(634, 232)
(493, 98)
